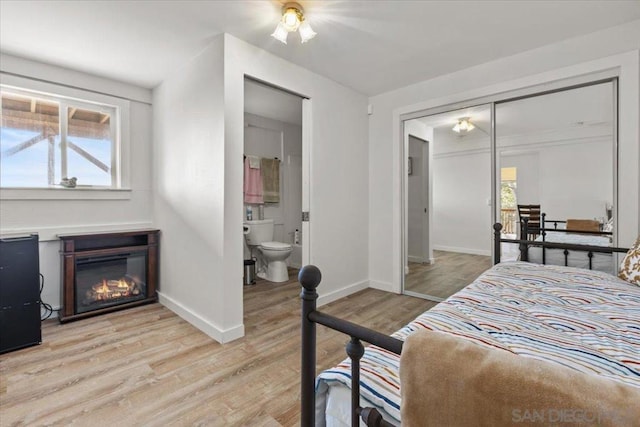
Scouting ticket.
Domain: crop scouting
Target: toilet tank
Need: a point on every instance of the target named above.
(258, 231)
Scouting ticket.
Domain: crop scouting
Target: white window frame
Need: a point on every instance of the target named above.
(64, 95)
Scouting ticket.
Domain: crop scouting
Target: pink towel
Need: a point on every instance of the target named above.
(252, 184)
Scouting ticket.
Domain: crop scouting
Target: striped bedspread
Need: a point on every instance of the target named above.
(585, 320)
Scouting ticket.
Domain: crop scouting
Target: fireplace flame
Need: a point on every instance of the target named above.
(108, 290)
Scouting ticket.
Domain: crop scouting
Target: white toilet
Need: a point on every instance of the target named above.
(259, 234)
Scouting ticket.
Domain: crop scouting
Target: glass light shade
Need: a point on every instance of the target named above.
(280, 33)
(463, 125)
(306, 32)
(290, 19)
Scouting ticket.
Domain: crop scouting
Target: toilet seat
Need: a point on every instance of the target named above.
(276, 246)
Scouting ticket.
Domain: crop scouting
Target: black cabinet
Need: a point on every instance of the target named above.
(19, 293)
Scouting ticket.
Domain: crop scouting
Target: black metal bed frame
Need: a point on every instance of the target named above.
(524, 244)
(310, 277)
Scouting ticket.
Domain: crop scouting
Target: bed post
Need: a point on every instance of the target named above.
(497, 249)
(355, 351)
(544, 234)
(524, 248)
(309, 277)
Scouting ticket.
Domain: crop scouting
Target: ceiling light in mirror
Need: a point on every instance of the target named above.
(464, 125)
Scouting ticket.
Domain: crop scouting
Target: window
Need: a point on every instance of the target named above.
(508, 214)
(46, 140)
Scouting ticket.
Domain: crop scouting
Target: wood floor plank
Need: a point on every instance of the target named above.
(450, 272)
(146, 366)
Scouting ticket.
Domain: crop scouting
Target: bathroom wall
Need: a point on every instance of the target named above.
(266, 137)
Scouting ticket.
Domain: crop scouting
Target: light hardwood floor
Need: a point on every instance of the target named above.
(146, 366)
(450, 272)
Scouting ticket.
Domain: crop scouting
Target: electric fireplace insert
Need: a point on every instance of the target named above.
(107, 271)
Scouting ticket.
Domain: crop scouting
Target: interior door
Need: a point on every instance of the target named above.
(417, 204)
(306, 174)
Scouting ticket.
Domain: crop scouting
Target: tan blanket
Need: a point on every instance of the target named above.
(449, 381)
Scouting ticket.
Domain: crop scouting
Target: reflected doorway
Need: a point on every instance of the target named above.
(447, 201)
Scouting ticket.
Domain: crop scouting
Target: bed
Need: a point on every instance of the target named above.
(572, 232)
(579, 321)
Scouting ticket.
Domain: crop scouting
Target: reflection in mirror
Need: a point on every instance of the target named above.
(555, 166)
(447, 214)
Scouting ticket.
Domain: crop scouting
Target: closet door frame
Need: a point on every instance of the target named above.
(608, 76)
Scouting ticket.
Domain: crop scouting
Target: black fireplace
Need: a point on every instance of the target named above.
(107, 271)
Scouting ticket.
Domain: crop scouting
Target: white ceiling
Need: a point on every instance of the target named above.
(583, 107)
(370, 46)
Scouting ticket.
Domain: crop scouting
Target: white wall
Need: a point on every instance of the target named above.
(199, 135)
(78, 211)
(577, 180)
(612, 49)
(190, 163)
(461, 215)
(461, 190)
(339, 170)
(572, 179)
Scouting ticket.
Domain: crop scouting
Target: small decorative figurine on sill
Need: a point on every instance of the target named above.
(69, 182)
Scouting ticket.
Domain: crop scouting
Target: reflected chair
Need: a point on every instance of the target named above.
(532, 213)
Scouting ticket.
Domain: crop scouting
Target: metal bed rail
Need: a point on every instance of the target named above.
(310, 277)
(525, 244)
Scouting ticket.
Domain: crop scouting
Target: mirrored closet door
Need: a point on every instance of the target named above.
(448, 201)
(553, 160)
(556, 163)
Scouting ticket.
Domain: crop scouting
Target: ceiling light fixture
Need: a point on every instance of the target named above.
(292, 20)
(464, 125)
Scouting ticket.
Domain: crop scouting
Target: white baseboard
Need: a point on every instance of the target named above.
(382, 286)
(341, 293)
(220, 335)
(463, 250)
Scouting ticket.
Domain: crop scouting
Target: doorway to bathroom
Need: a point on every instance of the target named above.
(273, 142)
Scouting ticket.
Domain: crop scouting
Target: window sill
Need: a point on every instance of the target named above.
(64, 194)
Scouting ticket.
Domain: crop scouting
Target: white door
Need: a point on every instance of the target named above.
(417, 216)
(306, 174)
